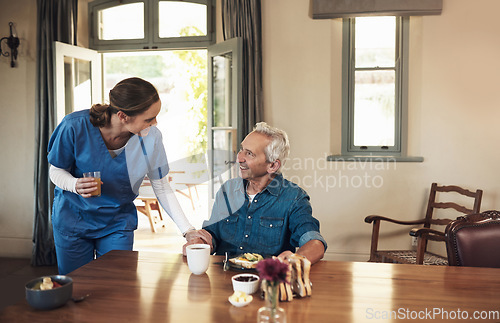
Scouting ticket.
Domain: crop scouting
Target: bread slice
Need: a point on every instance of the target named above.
(288, 286)
(286, 294)
(306, 269)
(297, 282)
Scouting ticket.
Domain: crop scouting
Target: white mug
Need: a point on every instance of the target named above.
(198, 258)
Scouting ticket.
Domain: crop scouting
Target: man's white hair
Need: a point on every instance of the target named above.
(279, 147)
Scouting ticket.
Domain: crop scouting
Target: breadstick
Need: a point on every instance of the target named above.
(288, 284)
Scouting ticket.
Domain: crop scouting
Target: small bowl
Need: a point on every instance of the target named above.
(248, 287)
(50, 298)
(240, 304)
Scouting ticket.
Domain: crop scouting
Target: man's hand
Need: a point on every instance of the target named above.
(198, 236)
(284, 255)
(313, 250)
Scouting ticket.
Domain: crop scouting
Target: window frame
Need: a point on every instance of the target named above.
(401, 95)
(151, 39)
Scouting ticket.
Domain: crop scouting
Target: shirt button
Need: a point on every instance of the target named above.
(246, 235)
(249, 216)
(227, 220)
(270, 225)
(255, 201)
(241, 248)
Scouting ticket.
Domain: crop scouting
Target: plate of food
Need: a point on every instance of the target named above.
(246, 261)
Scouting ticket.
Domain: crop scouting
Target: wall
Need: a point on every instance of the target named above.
(17, 131)
(453, 110)
(17, 108)
(453, 114)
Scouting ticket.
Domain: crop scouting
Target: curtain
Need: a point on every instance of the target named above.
(242, 18)
(56, 21)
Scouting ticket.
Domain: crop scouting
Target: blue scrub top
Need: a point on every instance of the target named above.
(76, 145)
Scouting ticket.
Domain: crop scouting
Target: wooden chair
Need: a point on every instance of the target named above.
(473, 240)
(151, 204)
(148, 197)
(423, 232)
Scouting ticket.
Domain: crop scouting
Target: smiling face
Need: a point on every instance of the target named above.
(252, 158)
(141, 122)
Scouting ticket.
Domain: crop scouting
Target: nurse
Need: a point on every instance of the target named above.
(119, 140)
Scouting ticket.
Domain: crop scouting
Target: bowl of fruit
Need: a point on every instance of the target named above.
(48, 292)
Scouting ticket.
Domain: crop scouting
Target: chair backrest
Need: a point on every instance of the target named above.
(475, 199)
(473, 240)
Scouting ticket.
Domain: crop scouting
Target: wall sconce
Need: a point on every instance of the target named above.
(13, 43)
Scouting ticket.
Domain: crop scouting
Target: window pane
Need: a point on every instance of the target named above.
(375, 42)
(222, 89)
(374, 112)
(224, 146)
(180, 77)
(77, 84)
(122, 22)
(181, 19)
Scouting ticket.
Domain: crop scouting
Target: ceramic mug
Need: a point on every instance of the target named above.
(198, 258)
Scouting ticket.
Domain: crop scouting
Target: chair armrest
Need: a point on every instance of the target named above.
(371, 218)
(430, 234)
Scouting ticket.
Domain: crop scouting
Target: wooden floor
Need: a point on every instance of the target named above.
(16, 272)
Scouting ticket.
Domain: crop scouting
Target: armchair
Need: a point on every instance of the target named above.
(422, 228)
(473, 240)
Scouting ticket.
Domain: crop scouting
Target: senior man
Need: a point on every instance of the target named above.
(262, 212)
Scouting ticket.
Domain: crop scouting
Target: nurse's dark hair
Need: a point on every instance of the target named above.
(132, 96)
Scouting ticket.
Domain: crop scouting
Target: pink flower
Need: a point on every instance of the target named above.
(272, 270)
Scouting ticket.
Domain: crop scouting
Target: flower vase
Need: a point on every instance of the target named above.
(271, 312)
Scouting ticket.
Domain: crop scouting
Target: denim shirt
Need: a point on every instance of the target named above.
(279, 218)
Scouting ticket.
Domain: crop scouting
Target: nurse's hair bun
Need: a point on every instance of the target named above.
(132, 96)
(100, 115)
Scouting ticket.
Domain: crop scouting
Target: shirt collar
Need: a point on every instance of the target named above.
(273, 188)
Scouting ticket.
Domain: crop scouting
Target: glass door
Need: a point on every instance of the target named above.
(78, 78)
(224, 111)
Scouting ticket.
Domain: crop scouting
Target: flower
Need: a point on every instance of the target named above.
(272, 270)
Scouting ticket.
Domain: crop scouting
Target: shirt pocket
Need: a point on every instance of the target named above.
(229, 226)
(271, 231)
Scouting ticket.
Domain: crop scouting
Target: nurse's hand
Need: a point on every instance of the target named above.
(85, 185)
(198, 236)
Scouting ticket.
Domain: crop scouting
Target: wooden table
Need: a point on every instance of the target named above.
(129, 286)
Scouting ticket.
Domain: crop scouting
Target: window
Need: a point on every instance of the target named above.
(172, 24)
(129, 26)
(374, 86)
(151, 24)
(78, 78)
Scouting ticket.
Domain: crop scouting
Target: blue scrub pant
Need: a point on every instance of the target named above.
(74, 252)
